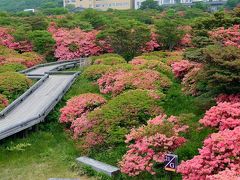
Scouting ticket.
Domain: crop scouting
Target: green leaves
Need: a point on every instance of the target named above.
(127, 38)
(42, 41)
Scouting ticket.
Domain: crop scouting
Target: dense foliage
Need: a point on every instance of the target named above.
(13, 84)
(11, 5)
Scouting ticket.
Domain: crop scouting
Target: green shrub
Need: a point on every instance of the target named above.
(222, 68)
(107, 55)
(130, 109)
(201, 41)
(110, 60)
(94, 72)
(42, 41)
(12, 67)
(193, 54)
(13, 84)
(159, 54)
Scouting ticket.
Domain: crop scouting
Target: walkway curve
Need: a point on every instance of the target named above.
(34, 105)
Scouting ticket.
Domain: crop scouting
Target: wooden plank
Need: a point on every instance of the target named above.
(99, 166)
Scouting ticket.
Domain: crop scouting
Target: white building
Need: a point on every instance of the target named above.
(137, 3)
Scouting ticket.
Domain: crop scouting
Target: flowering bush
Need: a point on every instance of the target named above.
(150, 143)
(11, 67)
(113, 120)
(186, 40)
(3, 102)
(181, 68)
(233, 98)
(118, 81)
(79, 106)
(8, 40)
(75, 43)
(225, 115)
(152, 44)
(227, 37)
(27, 59)
(13, 84)
(226, 174)
(190, 81)
(188, 72)
(221, 151)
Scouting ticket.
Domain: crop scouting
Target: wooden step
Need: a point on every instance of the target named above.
(99, 166)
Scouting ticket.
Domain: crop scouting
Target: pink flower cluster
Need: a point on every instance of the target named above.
(187, 71)
(8, 40)
(186, 40)
(152, 44)
(229, 36)
(28, 59)
(181, 68)
(221, 151)
(225, 115)
(76, 111)
(3, 101)
(233, 98)
(74, 43)
(225, 175)
(116, 82)
(80, 105)
(148, 145)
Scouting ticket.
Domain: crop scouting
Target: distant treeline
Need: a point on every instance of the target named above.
(13, 5)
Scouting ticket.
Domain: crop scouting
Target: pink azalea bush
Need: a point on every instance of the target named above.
(227, 37)
(80, 105)
(233, 98)
(3, 101)
(116, 82)
(152, 44)
(74, 43)
(225, 175)
(109, 123)
(187, 71)
(186, 40)
(189, 81)
(8, 40)
(221, 151)
(225, 115)
(181, 68)
(149, 143)
(27, 59)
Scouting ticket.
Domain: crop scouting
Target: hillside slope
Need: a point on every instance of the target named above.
(13, 5)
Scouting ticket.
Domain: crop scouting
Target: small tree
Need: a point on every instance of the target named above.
(168, 33)
(150, 4)
(127, 38)
(42, 41)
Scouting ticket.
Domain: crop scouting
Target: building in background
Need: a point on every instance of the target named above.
(101, 4)
(213, 4)
(136, 4)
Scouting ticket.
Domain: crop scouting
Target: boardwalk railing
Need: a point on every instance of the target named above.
(9, 129)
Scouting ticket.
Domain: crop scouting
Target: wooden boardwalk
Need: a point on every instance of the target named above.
(33, 106)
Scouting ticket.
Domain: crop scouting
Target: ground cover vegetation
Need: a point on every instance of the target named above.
(149, 91)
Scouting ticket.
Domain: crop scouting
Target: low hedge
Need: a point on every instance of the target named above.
(13, 84)
(13, 67)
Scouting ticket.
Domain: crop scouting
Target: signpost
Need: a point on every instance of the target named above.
(170, 163)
